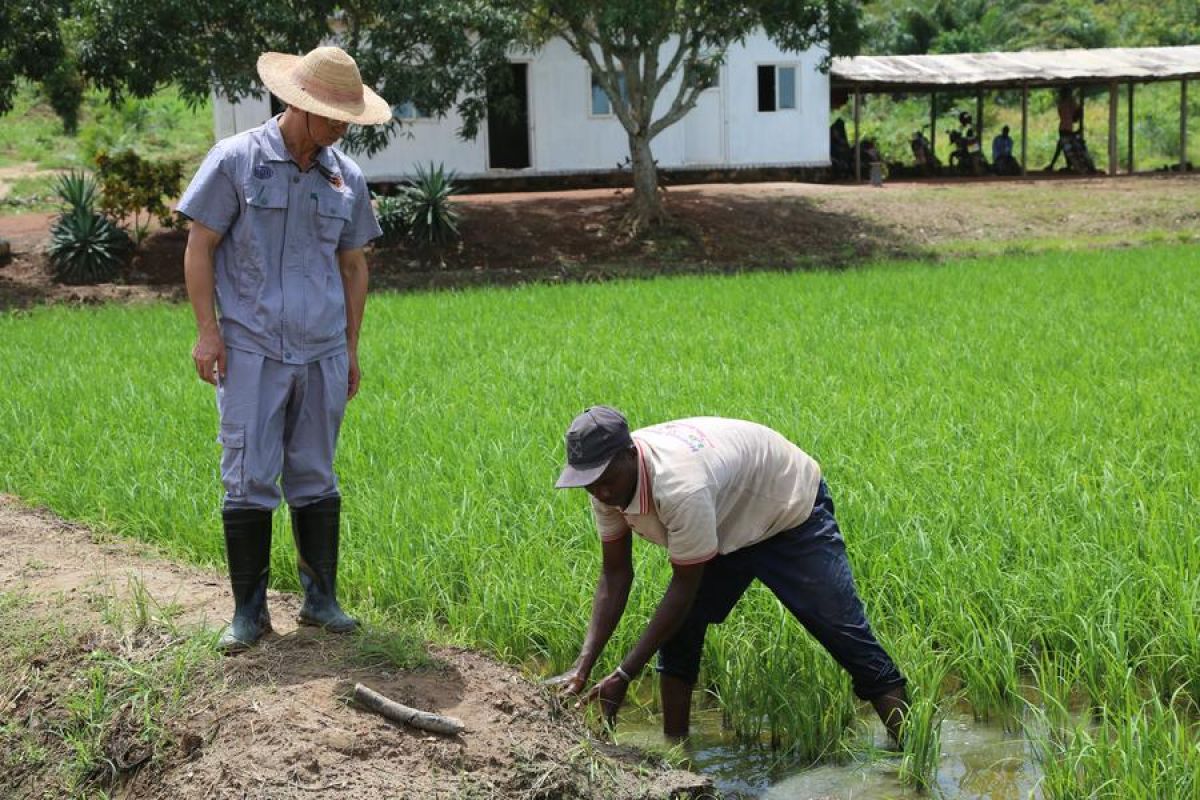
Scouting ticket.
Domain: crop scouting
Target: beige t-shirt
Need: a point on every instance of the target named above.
(708, 485)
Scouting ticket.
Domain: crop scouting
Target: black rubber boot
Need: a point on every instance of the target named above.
(248, 550)
(316, 530)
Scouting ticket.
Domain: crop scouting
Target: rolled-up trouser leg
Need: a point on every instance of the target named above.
(248, 550)
(316, 531)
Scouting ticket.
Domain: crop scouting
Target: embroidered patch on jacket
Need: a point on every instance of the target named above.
(335, 180)
(262, 172)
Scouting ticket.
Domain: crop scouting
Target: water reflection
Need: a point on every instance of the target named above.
(980, 761)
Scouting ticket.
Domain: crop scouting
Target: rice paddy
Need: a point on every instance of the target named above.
(1012, 445)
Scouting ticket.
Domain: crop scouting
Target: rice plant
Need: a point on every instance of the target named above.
(1012, 445)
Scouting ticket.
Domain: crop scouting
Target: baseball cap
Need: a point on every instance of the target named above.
(593, 439)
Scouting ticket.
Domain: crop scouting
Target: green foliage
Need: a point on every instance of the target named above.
(131, 186)
(86, 247)
(31, 44)
(972, 419)
(392, 211)
(77, 189)
(431, 217)
(64, 88)
(901, 27)
(421, 211)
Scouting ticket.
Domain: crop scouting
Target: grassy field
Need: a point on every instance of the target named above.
(1011, 443)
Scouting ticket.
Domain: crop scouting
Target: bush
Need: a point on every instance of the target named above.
(432, 219)
(392, 212)
(131, 186)
(86, 247)
(77, 189)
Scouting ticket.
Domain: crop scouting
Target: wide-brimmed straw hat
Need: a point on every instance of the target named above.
(324, 81)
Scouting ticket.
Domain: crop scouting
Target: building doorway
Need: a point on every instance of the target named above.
(508, 119)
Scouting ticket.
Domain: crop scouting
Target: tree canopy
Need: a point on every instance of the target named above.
(907, 27)
(639, 49)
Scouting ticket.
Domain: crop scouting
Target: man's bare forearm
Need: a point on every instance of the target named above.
(608, 606)
(199, 277)
(671, 612)
(353, 266)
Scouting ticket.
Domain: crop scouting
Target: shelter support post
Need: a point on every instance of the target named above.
(1112, 128)
(1183, 125)
(1082, 110)
(1024, 125)
(979, 119)
(933, 123)
(1129, 127)
(857, 144)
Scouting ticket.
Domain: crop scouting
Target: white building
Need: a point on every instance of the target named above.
(769, 109)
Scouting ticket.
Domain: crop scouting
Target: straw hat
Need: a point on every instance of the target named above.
(325, 81)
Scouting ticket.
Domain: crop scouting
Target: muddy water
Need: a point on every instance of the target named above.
(979, 761)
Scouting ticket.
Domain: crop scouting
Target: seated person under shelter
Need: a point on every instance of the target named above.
(1003, 162)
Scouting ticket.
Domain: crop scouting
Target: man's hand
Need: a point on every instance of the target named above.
(209, 356)
(610, 691)
(355, 377)
(569, 684)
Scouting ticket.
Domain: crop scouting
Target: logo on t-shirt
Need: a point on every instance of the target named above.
(263, 172)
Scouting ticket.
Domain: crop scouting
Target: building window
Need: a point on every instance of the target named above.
(776, 88)
(408, 110)
(601, 107)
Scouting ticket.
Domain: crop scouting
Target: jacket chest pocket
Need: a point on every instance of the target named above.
(332, 215)
(260, 237)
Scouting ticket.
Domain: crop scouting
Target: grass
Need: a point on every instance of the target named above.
(1011, 443)
(94, 704)
(32, 138)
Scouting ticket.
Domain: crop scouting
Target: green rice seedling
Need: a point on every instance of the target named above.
(1011, 444)
(921, 733)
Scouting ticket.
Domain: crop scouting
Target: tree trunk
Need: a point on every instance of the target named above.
(647, 209)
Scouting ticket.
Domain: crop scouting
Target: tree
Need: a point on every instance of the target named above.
(32, 47)
(437, 55)
(639, 49)
(448, 54)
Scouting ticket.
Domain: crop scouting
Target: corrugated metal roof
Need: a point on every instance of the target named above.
(1029, 67)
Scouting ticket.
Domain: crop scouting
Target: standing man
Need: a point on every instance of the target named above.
(1069, 113)
(731, 501)
(277, 279)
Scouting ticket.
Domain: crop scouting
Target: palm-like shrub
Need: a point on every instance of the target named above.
(85, 247)
(392, 211)
(77, 189)
(432, 218)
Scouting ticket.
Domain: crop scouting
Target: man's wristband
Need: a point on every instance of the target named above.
(625, 676)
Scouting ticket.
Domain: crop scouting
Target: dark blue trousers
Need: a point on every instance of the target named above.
(807, 569)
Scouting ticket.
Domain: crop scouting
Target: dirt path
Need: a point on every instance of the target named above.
(274, 724)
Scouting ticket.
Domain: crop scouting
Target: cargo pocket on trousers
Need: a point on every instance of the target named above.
(233, 459)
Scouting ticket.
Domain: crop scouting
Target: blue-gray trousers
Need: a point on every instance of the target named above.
(280, 421)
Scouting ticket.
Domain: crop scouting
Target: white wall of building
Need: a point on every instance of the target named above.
(726, 129)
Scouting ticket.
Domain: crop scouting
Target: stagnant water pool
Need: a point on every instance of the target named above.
(980, 761)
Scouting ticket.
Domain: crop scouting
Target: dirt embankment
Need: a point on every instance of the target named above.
(576, 235)
(271, 723)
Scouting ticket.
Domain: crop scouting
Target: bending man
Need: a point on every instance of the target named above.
(731, 501)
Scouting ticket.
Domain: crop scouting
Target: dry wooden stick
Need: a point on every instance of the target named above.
(402, 713)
